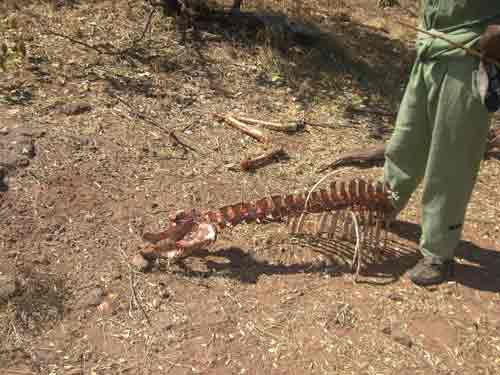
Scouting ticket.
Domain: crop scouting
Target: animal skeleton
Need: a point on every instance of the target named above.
(353, 209)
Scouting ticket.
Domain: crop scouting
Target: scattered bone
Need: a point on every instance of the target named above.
(371, 156)
(262, 160)
(289, 127)
(252, 132)
(140, 262)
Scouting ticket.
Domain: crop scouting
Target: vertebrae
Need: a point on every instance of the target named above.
(346, 207)
(355, 194)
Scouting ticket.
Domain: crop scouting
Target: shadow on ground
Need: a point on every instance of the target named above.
(242, 265)
(328, 57)
(483, 269)
(479, 267)
(480, 271)
(336, 58)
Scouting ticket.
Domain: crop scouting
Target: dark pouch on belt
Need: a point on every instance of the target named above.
(489, 86)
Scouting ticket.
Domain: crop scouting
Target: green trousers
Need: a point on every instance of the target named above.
(439, 141)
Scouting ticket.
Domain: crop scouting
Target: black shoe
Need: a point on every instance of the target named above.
(430, 271)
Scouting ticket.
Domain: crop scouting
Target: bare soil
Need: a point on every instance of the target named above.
(100, 99)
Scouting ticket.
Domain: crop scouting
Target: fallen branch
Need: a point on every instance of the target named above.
(261, 160)
(147, 26)
(173, 137)
(252, 132)
(132, 287)
(77, 41)
(289, 127)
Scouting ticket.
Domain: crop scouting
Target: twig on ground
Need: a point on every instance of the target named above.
(76, 41)
(146, 26)
(257, 134)
(102, 49)
(132, 286)
(136, 299)
(175, 139)
(261, 160)
(174, 364)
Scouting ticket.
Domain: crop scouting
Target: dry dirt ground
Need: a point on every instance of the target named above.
(91, 103)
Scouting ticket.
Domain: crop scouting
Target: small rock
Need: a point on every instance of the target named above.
(233, 167)
(44, 260)
(164, 294)
(156, 303)
(89, 217)
(397, 334)
(256, 241)
(7, 287)
(403, 339)
(395, 297)
(23, 163)
(3, 179)
(76, 108)
(27, 149)
(164, 321)
(105, 307)
(94, 298)
(44, 356)
(141, 263)
(12, 254)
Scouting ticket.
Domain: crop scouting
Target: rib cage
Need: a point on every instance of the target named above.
(343, 210)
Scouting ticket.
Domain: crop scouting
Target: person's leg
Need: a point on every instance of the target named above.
(459, 133)
(407, 150)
